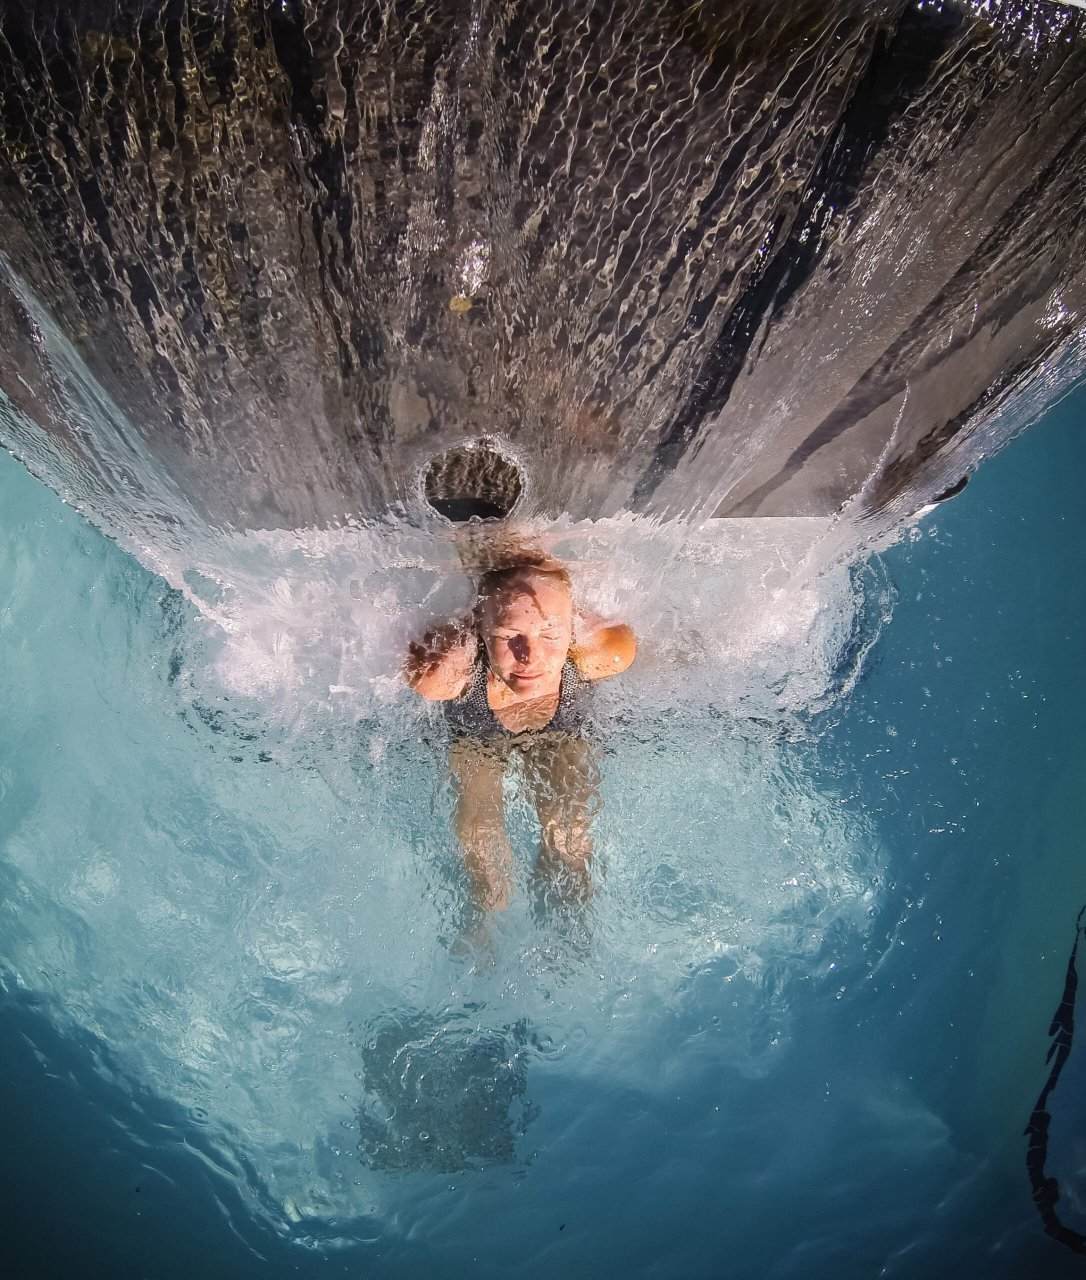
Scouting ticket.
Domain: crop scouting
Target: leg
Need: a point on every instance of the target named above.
(564, 779)
(480, 822)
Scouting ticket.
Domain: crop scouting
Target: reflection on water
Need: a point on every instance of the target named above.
(1056, 1155)
(443, 1091)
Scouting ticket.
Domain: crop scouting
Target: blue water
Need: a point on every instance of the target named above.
(800, 1034)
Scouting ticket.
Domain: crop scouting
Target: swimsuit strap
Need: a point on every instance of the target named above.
(474, 694)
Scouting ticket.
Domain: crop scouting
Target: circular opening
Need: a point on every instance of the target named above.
(472, 482)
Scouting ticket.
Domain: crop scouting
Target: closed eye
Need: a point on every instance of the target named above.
(512, 635)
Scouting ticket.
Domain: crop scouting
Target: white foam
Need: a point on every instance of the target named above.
(315, 623)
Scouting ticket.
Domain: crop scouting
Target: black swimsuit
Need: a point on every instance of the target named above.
(470, 715)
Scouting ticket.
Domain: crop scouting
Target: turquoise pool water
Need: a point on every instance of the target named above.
(800, 1032)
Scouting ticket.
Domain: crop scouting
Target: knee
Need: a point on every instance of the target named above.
(495, 893)
(482, 833)
(569, 842)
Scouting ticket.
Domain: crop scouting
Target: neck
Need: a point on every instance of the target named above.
(508, 694)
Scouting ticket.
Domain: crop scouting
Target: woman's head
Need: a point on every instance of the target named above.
(525, 618)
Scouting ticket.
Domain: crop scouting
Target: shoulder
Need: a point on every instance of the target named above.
(442, 665)
(606, 651)
(441, 686)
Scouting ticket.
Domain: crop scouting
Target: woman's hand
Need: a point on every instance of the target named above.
(438, 665)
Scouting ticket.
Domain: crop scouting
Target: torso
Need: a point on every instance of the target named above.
(525, 716)
(481, 710)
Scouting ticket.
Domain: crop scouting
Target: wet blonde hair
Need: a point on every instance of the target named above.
(531, 565)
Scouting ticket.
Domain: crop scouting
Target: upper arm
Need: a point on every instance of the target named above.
(608, 651)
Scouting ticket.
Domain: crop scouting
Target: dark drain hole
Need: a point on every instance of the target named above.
(472, 482)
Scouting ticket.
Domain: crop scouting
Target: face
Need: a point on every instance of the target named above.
(527, 627)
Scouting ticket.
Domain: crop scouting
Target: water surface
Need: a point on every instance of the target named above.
(801, 1031)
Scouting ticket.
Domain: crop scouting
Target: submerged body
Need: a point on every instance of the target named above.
(515, 677)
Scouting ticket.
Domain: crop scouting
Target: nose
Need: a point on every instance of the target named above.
(520, 648)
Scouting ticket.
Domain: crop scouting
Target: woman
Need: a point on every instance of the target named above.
(514, 677)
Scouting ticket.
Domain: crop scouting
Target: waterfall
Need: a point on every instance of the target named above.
(752, 259)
